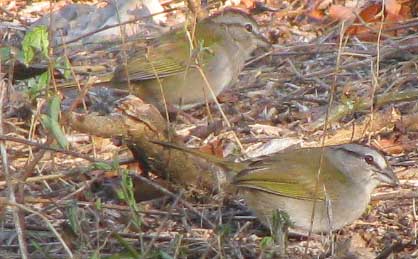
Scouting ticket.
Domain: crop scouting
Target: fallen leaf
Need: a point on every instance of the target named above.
(213, 148)
(392, 6)
(340, 12)
(389, 146)
(316, 14)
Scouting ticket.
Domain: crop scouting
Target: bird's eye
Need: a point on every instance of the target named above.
(248, 27)
(369, 159)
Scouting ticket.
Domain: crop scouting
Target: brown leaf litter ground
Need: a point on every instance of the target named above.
(281, 96)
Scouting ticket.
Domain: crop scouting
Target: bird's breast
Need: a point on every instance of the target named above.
(329, 214)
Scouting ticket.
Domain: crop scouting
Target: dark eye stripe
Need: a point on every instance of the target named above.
(372, 163)
(254, 28)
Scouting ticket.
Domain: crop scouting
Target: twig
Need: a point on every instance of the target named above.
(389, 50)
(400, 194)
(17, 215)
(402, 25)
(30, 166)
(23, 22)
(396, 247)
(324, 135)
(46, 147)
(162, 226)
(219, 106)
(362, 104)
(258, 58)
(45, 219)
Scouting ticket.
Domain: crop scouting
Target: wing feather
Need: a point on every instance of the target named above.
(293, 175)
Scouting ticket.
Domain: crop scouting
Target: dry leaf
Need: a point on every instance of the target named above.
(316, 14)
(340, 12)
(393, 6)
(395, 11)
(213, 148)
(389, 146)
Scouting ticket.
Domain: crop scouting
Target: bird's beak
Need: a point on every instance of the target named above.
(387, 176)
(263, 42)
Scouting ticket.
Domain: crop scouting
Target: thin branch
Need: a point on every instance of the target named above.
(45, 219)
(46, 147)
(17, 217)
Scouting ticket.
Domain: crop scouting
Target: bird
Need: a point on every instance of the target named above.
(288, 181)
(167, 71)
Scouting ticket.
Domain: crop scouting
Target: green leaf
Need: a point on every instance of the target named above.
(127, 193)
(67, 70)
(35, 40)
(36, 86)
(73, 220)
(51, 122)
(115, 163)
(64, 66)
(102, 166)
(130, 249)
(266, 242)
(280, 219)
(54, 108)
(98, 204)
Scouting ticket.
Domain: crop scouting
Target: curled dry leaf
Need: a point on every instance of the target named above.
(394, 11)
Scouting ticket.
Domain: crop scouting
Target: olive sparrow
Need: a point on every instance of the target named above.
(221, 45)
(286, 181)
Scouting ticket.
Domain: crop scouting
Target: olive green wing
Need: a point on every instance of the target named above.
(154, 62)
(166, 56)
(293, 175)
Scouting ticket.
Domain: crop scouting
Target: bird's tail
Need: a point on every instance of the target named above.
(104, 79)
(228, 165)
